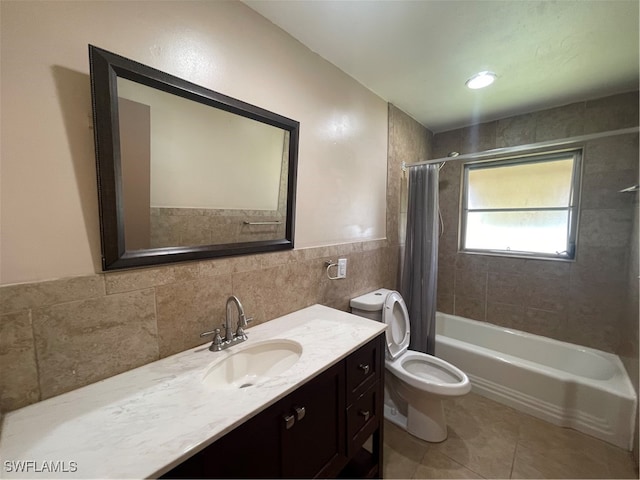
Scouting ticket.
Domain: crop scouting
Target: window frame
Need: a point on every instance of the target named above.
(572, 209)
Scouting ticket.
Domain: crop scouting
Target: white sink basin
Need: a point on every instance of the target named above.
(253, 364)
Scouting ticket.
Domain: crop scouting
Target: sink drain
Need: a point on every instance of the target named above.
(244, 385)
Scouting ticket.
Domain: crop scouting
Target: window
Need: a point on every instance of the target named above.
(523, 207)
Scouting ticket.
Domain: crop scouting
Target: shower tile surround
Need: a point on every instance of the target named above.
(581, 302)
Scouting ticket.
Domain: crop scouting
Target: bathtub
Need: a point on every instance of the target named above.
(565, 384)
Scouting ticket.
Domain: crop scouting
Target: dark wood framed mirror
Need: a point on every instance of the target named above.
(186, 173)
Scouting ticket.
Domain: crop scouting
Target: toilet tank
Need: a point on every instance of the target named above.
(370, 304)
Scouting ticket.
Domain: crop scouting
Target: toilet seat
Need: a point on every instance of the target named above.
(396, 317)
(429, 374)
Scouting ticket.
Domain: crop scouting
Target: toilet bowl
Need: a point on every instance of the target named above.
(418, 382)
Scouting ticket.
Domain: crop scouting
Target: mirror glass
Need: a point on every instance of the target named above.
(185, 172)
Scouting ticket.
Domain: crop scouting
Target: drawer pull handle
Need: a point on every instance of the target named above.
(364, 367)
(365, 414)
(289, 420)
(300, 413)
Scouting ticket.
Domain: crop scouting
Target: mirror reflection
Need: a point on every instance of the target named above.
(195, 175)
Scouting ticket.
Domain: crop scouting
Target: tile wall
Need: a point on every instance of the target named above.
(581, 302)
(59, 335)
(409, 142)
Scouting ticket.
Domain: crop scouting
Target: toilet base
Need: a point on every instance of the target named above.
(393, 415)
(429, 427)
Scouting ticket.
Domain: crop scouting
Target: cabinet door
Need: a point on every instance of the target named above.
(313, 443)
(249, 451)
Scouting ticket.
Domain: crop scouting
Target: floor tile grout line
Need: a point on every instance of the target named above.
(515, 452)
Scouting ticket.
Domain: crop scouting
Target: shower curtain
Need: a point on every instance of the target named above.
(418, 285)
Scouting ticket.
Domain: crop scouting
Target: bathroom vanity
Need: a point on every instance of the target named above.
(177, 417)
(316, 431)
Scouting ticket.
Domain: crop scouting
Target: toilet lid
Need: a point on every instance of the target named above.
(395, 315)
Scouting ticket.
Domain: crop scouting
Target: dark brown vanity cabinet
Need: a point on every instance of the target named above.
(316, 431)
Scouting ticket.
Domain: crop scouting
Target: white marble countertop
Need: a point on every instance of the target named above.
(143, 422)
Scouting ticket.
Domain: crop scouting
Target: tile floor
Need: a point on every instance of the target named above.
(489, 440)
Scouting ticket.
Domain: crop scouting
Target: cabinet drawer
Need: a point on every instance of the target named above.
(363, 368)
(363, 417)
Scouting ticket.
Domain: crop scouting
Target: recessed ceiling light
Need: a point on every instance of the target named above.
(481, 80)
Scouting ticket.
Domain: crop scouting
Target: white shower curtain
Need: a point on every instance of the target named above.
(418, 285)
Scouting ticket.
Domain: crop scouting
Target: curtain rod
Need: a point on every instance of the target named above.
(525, 148)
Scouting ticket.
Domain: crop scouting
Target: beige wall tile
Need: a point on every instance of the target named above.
(445, 303)
(143, 278)
(446, 279)
(547, 268)
(187, 309)
(376, 269)
(18, 370)
(478, 138)
(547, 292)
(469, 307)
(602, 189)
(506, 265)
(508, 288)
(213, 268)
(562, 122)
(518, 130)
(605, 228)
(610, 154)
(600, 331)
(14, 298)
(542, 322)
(611, 113)
(600, 264)
(408, 142)
(82, 342)
(470, 282)
(505, 315)
(272, 292)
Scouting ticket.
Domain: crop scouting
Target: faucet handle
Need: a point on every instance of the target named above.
(216, 345)
(240, 331)
(216, 335)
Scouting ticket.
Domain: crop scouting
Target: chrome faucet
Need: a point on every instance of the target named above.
(231, 337)
(242, 320)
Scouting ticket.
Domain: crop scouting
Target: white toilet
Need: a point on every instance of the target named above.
(417, 382)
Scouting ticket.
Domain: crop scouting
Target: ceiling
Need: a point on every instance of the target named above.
(418, 54)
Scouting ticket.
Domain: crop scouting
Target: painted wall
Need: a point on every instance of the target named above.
(583, 301)
(48, 190)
